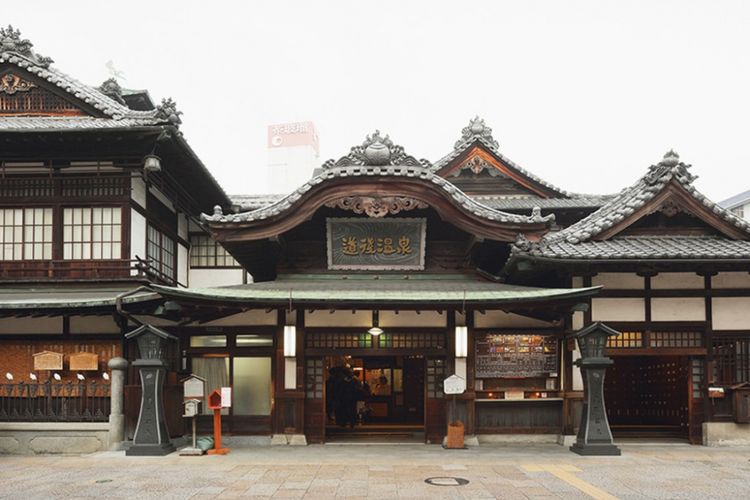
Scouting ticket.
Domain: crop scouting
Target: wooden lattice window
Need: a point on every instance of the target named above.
(338, 340)
(37, 101)
(676, 339)
(25, 233)
(412, 340)
(696, 380)
(626, 340)
(92, 233)
(207, 252)
(314, 378)
(160, 251)
(731, 356)
(435, 375)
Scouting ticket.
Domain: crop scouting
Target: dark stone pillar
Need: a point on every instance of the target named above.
(594, 436)
(151, 433)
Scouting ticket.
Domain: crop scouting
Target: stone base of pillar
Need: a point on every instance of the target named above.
(150, 450)
(116, 434)
(596, 449)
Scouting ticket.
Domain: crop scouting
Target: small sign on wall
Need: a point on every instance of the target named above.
(226, 397)
(84, 361)
(48, 360)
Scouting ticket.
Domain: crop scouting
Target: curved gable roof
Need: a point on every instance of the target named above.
(379, 168)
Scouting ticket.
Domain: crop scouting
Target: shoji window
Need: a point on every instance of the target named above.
(160, 250)
(25, 233)
(92, 233)
(205, 252)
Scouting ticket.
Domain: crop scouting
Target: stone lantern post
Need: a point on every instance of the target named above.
(594, 435)
(151, 433)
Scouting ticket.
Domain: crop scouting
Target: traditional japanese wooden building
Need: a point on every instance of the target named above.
(397, 270)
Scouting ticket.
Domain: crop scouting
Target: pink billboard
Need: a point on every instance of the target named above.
(293, 134)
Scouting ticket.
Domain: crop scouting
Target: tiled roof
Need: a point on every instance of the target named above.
(526, 203)
(17, 51)
(405, 171)
(51, 123)
(255, 201)
(738, 199)
(631, 199)
(645, 247)
(478, 132)
(444, 289)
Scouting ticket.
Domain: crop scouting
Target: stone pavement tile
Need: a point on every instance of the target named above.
(324, 491)
(325, 482)
(263, 489)
(289, 494)
(211, 490)
(231, 493)
(295, 485)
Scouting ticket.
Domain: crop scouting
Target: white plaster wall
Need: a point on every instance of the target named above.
(93, 324)
(731, 280)
(501, 319)
(137, 236)
(138, 191)
(320, 317)
(619, 281)
(162, 198)
(411, 318)
(183, 263)
(677, 281)
(618, 309)
(731, 313)
(182, 226)
(678, 309)
(202, 278)
(254, 317)
(31, 325)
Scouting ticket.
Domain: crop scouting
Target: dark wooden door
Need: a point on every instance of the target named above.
(434, 412)
(315, 403)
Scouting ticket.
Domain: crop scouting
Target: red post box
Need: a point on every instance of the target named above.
(214, 403)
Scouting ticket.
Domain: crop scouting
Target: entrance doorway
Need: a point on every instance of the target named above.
(374, 398)
(649, 396)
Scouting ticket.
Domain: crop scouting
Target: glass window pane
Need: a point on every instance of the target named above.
(252, 386)
(216, 373)
(254, 340)
(208, 341)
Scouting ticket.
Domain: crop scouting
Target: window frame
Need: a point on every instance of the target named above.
(91, 207)
(23, 243)
(155, 265)
(216, 246)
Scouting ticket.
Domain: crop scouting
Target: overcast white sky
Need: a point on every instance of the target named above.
(586, 94)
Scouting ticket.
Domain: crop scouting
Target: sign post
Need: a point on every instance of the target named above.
(194, 392)
(216, 402)
(454, 385)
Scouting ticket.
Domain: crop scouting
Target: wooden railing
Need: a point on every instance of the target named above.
(55, 402)
(82, 270)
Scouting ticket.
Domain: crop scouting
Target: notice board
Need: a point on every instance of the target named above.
(516, 356)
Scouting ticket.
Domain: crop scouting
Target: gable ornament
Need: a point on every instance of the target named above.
(476, 128)
(377, 206)
(377, 151)
(10, 84)
(11, 41)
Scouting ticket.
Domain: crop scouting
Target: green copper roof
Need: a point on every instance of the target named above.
(368, 289)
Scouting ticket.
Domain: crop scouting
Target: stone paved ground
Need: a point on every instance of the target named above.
(381, 471)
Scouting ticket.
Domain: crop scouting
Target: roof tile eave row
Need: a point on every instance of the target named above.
(414, 172)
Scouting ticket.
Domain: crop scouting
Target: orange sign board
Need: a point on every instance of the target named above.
(83, 361)
(48, 360)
